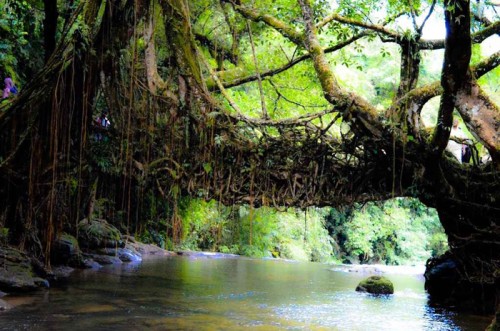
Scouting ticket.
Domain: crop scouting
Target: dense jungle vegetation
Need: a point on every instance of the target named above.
(394, 232)
(337, 112)
(399, 231)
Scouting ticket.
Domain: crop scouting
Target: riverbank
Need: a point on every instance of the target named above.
(98, 244)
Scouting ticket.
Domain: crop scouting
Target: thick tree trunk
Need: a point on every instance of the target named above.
(471, 282)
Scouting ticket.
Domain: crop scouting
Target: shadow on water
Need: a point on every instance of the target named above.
(199, 293)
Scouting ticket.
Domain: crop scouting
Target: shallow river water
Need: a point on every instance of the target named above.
(211, 293)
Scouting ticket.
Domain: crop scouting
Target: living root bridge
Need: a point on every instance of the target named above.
(175, 140)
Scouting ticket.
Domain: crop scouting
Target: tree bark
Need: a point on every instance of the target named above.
(50, 26)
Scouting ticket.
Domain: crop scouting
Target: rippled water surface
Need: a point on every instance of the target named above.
(209, 293)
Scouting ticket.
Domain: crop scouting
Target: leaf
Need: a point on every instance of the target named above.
(207, 167)
(345, 128)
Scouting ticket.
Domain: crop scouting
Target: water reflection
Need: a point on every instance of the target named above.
(195, 293)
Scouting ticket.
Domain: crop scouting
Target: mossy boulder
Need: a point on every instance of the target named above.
(376, 285)
(98, 234)
(66, 251)
(17, 273)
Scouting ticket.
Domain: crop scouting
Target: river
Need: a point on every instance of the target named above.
(207, 292)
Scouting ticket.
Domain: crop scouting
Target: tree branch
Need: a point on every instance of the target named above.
(228, 79)
(477, 37)
(457, 56)
(217, 49)
(351, 105)
(342, 19)
(431, 10)
(414, 101)
(481, 116)
(420, 96)
(253, 14)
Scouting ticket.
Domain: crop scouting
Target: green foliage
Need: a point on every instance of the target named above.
(398, 231)
(101, 207)
(4, 235)
(255, 232)
(21, 49)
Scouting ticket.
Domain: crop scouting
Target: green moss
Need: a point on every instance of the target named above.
(98, 233)
(70, 239)
(494, 326)
(376, 285)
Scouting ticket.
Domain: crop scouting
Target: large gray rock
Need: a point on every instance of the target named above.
(61, 273)
(146, 249)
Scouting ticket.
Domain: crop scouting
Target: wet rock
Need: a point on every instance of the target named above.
(89, 263)
(17, 273)
(376, 285)
(61, 273)
(106, 259)
(447, 285)
(98, 234)
(148, 249)
(441, 277)
(66, 251)
(41, 282)
(127, 254)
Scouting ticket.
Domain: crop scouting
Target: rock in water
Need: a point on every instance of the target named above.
(66, 251)
(98, 234)
(448, 285)
(17, 273)
(376, 285)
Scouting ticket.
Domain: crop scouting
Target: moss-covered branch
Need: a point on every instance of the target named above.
(481, 116)
(355, 109)
(421, 95)
(255, 15)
